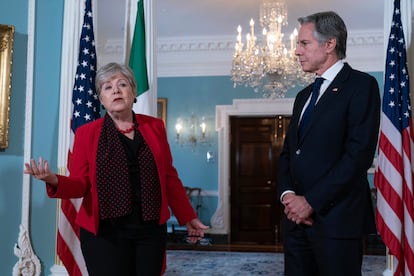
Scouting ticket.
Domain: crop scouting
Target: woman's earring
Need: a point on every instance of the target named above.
(135, 100)
(103, 107)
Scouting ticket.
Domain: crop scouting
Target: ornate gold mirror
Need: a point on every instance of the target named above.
(6, 53)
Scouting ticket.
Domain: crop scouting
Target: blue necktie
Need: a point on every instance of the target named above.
(308, 111)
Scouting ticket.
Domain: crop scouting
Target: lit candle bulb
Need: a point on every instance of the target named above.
(252, 27)
(203, 128)
(239, 45)
(292, 42)
(239, 29)
(178, 128)
(248, 38)
(279, 19)
(295, 39)
(279, 24)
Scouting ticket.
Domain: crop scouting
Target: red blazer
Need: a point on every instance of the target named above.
(82, 179)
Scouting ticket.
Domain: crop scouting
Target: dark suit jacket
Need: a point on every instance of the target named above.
(328, 166)
(82, 179)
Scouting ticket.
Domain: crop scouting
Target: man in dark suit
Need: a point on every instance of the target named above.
(330, 144)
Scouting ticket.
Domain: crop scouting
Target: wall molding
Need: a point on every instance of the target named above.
(212, 55)
(28, 262)
(220, 221)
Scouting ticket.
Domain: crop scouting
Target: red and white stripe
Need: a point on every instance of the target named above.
(68, 241)
(395, 200)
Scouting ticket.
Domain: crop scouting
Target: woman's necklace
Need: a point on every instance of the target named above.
(128, 130)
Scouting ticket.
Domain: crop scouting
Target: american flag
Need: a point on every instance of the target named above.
(86, 108)
(394, 172)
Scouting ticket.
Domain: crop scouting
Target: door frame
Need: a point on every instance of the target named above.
(220, 221)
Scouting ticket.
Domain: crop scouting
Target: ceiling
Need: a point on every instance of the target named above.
(199, 18)
(217, 17)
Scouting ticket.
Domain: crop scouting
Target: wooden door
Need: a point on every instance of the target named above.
(255, 147)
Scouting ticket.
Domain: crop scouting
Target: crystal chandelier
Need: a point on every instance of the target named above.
(270, 66)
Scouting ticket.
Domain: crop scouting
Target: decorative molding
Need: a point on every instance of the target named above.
(366, 50)
(220, 43)
(28, 263)
(220, 221)
(190, 44)
(366, 38)
(111, 47)
(212, 55)
(70, 50)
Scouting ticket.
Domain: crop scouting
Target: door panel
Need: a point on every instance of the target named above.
(255, 147)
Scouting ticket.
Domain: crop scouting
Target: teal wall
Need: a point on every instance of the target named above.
(45, 118)
(49, 16)
(13, 13)
(186, 95)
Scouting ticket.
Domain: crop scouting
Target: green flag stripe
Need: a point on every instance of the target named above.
(137, 58)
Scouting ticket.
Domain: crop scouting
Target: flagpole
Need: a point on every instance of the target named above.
(127, 31)
(388, 11)
(151, 23)
(389, 264)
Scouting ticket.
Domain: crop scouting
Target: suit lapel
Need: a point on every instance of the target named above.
(330, 96)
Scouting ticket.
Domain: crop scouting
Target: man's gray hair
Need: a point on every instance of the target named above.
(328, 25)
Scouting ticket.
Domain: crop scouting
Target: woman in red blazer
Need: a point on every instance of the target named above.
(121, 165)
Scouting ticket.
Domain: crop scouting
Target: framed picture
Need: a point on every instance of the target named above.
(6, 52)
(162, 109)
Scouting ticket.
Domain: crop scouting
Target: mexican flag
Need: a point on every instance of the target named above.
(137, 59)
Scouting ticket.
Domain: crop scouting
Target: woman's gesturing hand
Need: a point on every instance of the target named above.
(41, 171)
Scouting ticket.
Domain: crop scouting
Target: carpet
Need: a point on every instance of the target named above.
(191, 262)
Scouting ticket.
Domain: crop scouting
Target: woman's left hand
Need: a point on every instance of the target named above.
(195, 230)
